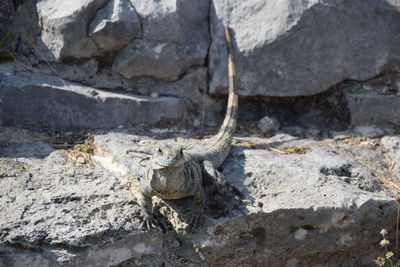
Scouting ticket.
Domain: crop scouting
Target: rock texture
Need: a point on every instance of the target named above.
(64, 28)
(304, 202)
(6, 14)
(292, 48)
(316, 204)
(175, 37)
(52, 212)
(115, 25)
(31, 101)
(152, 58)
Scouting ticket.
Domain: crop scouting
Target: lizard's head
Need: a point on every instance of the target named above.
(167, 156)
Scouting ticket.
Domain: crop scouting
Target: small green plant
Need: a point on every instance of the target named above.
(5, 55)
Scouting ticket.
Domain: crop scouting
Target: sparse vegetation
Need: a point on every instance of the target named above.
(390, 259)
(5, 53)
(290, 150)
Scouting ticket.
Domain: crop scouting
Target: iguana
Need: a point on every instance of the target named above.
(173, 173)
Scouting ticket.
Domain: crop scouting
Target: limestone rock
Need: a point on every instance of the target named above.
(321, 205)
(6, 14)
(115, 25)
(268, 125)
(161, 60)
(311, 204)
(29, 100)
(54, 211)
(175, 37)
(64, 27)
(297, 48)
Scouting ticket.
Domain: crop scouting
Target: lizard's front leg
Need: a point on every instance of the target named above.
(198, 209)
(146, 204)
(218, 178)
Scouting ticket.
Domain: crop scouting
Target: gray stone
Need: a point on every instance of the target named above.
(64, 28)
(311, 204)
(294, 48)
(190, 86)
(162, 60)
(59, 214)
(322, 206)
(6, 15)
(115, 25)
(183, 22)
(29, 100)
(175, 38)
(373, 109)
(268, 125)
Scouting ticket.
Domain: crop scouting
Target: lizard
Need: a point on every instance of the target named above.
(174, 173)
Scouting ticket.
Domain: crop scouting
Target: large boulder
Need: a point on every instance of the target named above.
(297, 48)
(171, 36)
(64, 28)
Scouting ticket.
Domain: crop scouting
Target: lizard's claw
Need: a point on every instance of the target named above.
(195, 222)
(148, 223)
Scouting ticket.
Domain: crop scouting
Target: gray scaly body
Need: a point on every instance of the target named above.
(172, 173)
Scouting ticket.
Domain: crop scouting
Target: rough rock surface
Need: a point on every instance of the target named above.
(152, 58)
(268, 125)
(115, 25)
(54, 213)
(175, 37)
(6, 14)
(292, 48)
(64, 28)
(31, 100)
(317, 204)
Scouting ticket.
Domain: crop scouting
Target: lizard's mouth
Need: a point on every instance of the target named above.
(167, 164)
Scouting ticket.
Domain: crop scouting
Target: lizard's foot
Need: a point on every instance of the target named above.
(148, 222)
(194, 222)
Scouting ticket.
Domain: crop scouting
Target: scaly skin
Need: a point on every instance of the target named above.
(172, 173)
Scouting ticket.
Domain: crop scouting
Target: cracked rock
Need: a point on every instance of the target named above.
(64, 28)
(29, 100)
(294, 48)
(115, 25)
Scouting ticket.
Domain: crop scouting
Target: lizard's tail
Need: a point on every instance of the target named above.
(218, 148)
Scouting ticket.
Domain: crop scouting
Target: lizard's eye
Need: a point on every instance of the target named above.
(159, 151)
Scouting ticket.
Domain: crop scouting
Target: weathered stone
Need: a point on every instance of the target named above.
(373, 109)
(29, 100)
(64, 28)
(297, 48)
(189, 86)
(175, 37)
(314, 204)
(59, 214)
(115, 25)
(268, 125)
(162, 60)
(6, 15)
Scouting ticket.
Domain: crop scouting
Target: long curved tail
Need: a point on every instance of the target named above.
(218, 148)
